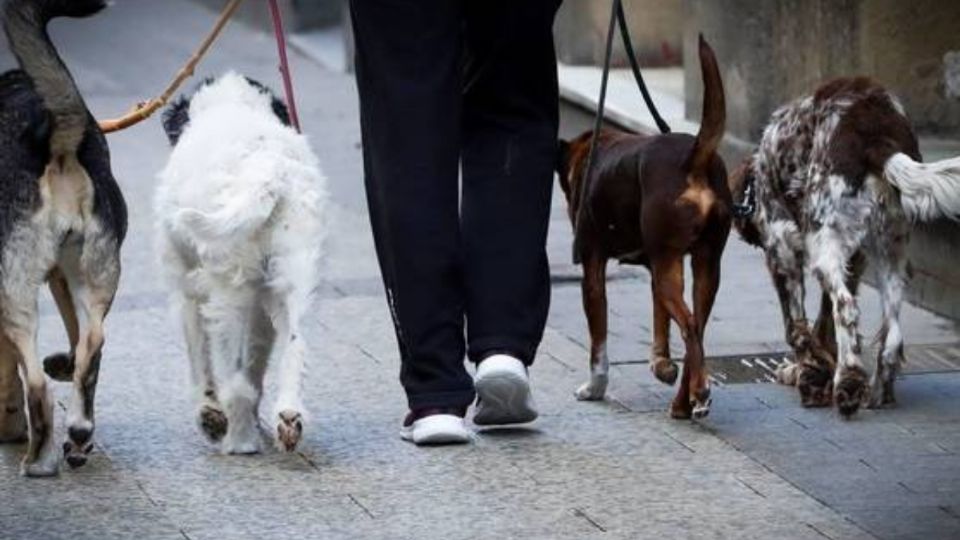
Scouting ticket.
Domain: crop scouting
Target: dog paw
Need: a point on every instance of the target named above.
(665, 370)
(851, 391)
(212, 421)
(78, 445)
(700, 405)
(787, 373)
(592, 390)
(289, 430)
(815, 385)
(881, 394)
(45, 466)
(59, 366)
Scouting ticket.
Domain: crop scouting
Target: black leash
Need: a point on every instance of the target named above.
(616, 14)
(635, 67)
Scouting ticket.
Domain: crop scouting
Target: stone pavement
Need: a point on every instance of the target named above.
(759, 467)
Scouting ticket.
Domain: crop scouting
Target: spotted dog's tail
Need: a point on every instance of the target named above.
(714, 114)
(25, 24)
(927, 190)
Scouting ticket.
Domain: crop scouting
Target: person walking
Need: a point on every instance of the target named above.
(459, 119)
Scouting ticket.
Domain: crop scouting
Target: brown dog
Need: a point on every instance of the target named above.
(652, 200)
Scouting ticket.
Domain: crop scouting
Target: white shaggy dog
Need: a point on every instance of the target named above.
(239, 228)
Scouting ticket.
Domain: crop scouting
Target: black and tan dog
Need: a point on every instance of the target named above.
(652, 200)
(62, 220)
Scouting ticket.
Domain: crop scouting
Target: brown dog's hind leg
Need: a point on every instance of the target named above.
(594, 289)
(706, 282)
(59, 366)
(668, 283)
(663, 368)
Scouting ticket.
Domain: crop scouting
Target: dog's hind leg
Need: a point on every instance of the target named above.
(210, 416)
(225, 317)
(13, 419)
(93, 292)
(664, 369)
(705, 261)
(668, 286)
(59, 366)
(20, 331)
(830, 254)
(594, 291)
(289, 411)
(191, 284)
(891, 261)
(823, 329)
(785, 260)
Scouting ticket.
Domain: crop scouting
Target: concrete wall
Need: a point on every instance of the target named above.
(656, 27)
(773, 51)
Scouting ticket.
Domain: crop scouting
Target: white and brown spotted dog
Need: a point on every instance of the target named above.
(837, 181)
(62, 220)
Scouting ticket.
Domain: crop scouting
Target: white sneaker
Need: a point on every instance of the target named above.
(435, 429)
(503, 392)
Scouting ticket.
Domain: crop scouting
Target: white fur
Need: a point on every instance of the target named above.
(927, 190)
(240, 209)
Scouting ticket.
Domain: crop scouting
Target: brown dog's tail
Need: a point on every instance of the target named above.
(714, 114)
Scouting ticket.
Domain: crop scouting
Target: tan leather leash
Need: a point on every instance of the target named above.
(144, 110)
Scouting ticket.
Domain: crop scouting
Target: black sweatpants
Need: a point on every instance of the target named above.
(453, 89)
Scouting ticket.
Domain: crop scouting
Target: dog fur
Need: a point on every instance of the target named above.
(240, 207)
(837, 182)
(652, 200)
(62, 221)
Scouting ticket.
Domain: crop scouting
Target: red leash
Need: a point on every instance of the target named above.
(284, 65)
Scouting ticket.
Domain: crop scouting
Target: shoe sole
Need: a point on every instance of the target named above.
(505, 399)
(436, 430)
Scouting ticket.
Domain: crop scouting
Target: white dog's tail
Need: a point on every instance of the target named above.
(927, 190)
(233, 222)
